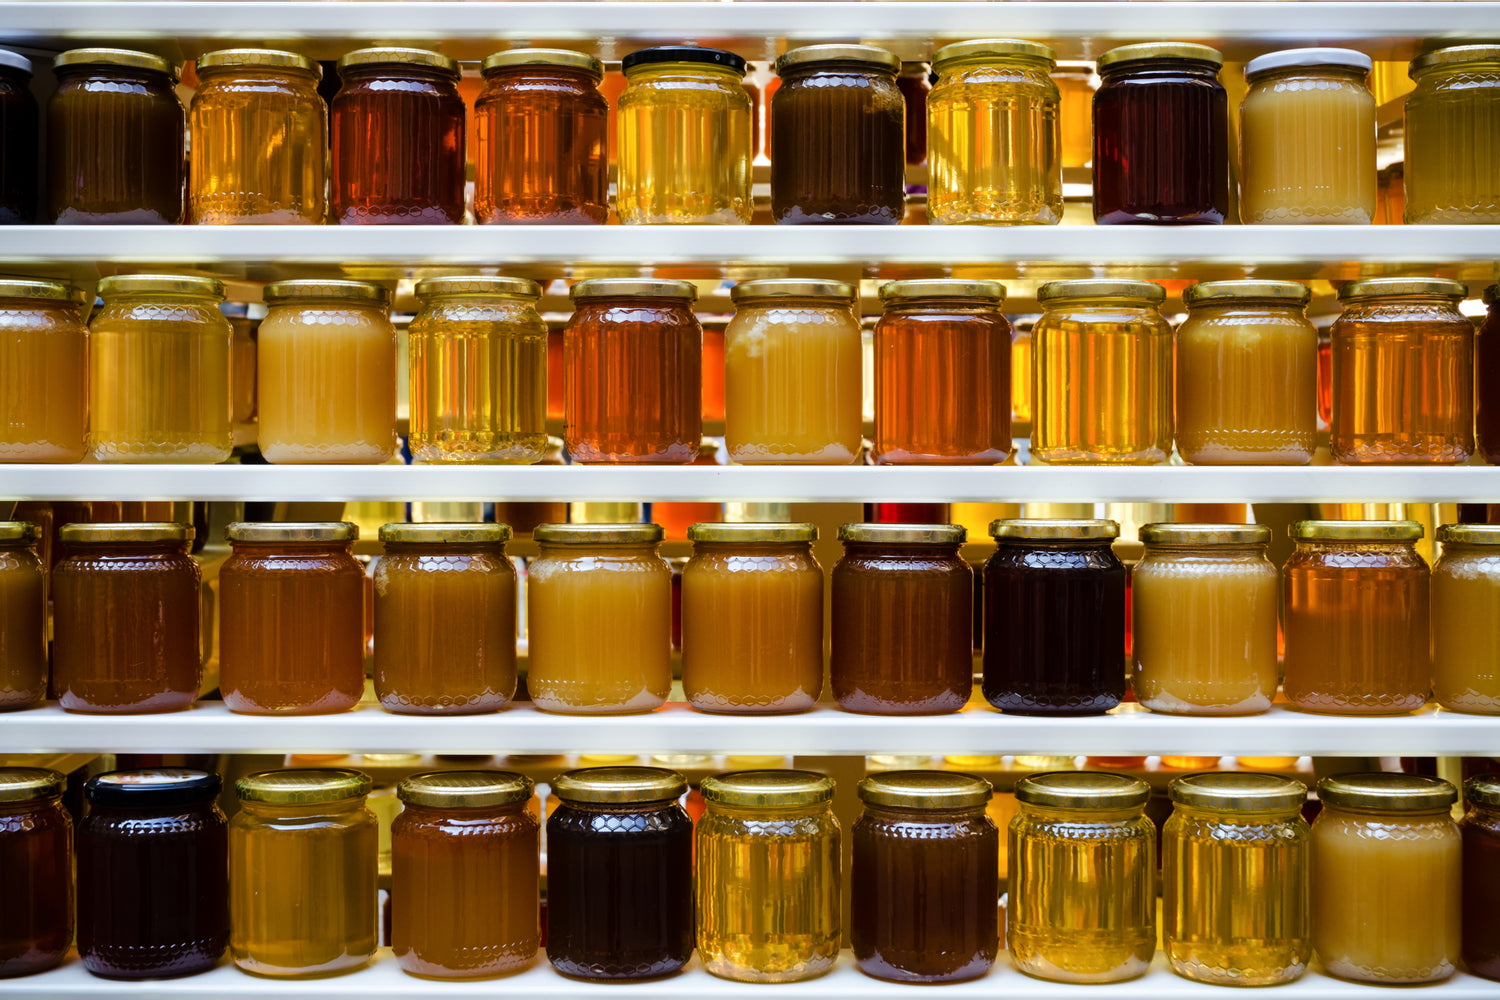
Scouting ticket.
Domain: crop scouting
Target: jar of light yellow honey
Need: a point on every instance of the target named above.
(1466, 619)
(1452, 136)
(44, 353)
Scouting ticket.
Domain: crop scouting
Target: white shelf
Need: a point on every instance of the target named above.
(384, 978)
(676, 728)
(724, 484)
(262, 252)
(472, 30)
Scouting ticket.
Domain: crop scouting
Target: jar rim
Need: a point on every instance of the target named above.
(1054, 529)
(18, 533)
(560, 58)
(1205, 534)
(1483, 790)
(1144, 51)
(478, 284)
(1310, 58)
(1219, 292)
(152, 786)
(1491, 294)
(303, 786)
(161, 284)
(1102, 288)
(904, 534)
(924, 790)
(249, 58)
(38, 289)
(28, 784)
(292, 532)
(748, 532)
(811, 56)
(124, 58)
(1355, 531)
(997, 48)
(15, 61)
(1380, 288)
(1453, 55)
(792, 288)
(619, 785)
(1237, 791)
(125, 531)
(464, 789)
(646, 288)
(1466, 534)
(394, 55)
(279, 292)
(943, 288)
(444, 533)
(1101, 790)
(773, 789)
(643, 533)
(694, 54)
(1386, 791)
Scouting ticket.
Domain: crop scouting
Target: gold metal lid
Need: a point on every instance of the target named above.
(1142, 51)
(464, 789)
(1483, 790)
(1206, 534)
(258, 59)
(924, 790)
(37, 288)
(466, 284)
(1102, 288)
(812, 55)
(124, 58)
(292, 532)
(904, 534)
(1083, 790)
(18, 533)
(768, 789)
(1238, 791)
(126, 531)
(1386, 791)
(1454, 55)
(561, 58)
(439, 533)
(1223, 291)
(992, 48)
(598, 534)
(316, 288)
(792, 288)
(27, 784)
(295, 787)
(161, 284)
(1355, 531)
(1382, 288)
(943, 288)
(1054, 529)
(752, 532)
(646, 288)
(399, 56)
(619, 785)
(1460, 534)
(1491, 295)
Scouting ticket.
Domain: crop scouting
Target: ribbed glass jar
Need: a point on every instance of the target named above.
(1466, 619)
(1480, 834)
(19, 120)
(44, 351)
(36, 868)
(1452, 135)
(23, 617)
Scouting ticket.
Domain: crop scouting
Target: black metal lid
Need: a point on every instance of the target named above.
(684, 53)
(152, 786)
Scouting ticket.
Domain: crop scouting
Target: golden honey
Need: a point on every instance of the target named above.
(44, 353)
(1452, 137)
(1466, 619)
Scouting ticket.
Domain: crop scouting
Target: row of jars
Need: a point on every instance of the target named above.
(257, 133)
(148, 379)
(1383, 886)
(1368, 630)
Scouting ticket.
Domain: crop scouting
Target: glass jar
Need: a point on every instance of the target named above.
(291, 619)
(1307, 139)
(1203, 619)
(611, 577)
(36, 867)
(159, 370)
(1161, 136)
(987, 89)
(1235, 858)
(267, 101)
(1076, 83)
(44, 351)
(153, 874)
(1452, 121)
(903, 625)
(244, 323)
(302, 868)
(541, 126)
(464, 874)
(619, 874)
(752, 619)
(1054, 617)
(924, 878)
(1480, 834)
(838, 122)
(125, 611)
(326, 373)
(1247, 374)
(1487, 379)
(23, 618)
(1466, 619)
(684, 138)
(1102, 358)
(19, 121)
(768, 876)
(1403, 373)
(1356, 618)
(942, 373)
(445, 619)
(1082, 858)
(793, 373)
(397, 128)
(633, 355)
(914, 83)
(478, 371)
(1387, 876)
(116, 140)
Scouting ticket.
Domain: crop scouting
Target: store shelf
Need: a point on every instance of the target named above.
(472, 30)
(384, 978)
(264, 252)
(979, 730)
(725, 484)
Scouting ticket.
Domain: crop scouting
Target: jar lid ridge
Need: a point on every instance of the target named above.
(1237, 791)
(561, 58)
(619, 785)
(1483, 790)
(444, 533)
(124, 58)
(249, 58)
(1451, 56)
(1055, 529)
(478, 284)
(464, 789)
(27, 784)
(1219, 292)
(292, 532)
(702, 55)
(646, 288)
(786, 789)
(789, 288)
(1205, 534)
(303, 787)
(992, 48)
(1386, 791)
(1102, 288)
(14, 533)
(125, 531)
(598, 534)
(394, 55)
(808, 56)
(1308, 58)
(943, 288)
(161, 284)
(904, 534)
(1355, 531)
(935, 790)
(1102, 790)
(318, 288)
(152, 786)
(748, 532)
(1143, 51)
(37, 288)
(1382, 288)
